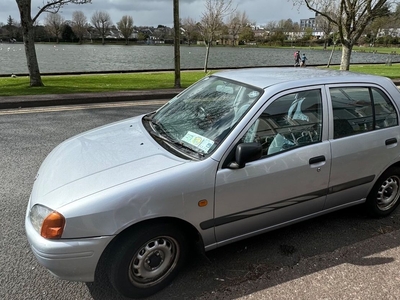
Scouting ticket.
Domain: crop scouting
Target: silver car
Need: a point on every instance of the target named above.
(237, 154)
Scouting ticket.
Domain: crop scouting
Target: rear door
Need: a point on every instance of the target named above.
(364, 140)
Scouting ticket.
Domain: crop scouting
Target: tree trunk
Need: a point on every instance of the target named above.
(346, 53)
(330, 57)
(29, 42)
(31, 58)
(206, 59)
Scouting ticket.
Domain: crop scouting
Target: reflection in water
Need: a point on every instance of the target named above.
(89, 58)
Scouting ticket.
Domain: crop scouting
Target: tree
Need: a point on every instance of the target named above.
(307, 36)
(270, 27)
(381, 25)
(351, 17)
(236, 23)
(325, 25)
(125, 26)
(396, 14)
(212, 21)
(27, 23)
(67, 33)
(142, 36)
(54, 24)
(10, 21)
(101, 20)
(189, 27)
(278, 36)
(79, 25)
(11, 28)
(160, 32)
(288, 25)
(246, 34)
(41, 34)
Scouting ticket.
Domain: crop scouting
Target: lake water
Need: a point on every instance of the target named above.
(97, 58)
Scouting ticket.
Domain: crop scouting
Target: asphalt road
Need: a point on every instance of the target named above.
(265, 267)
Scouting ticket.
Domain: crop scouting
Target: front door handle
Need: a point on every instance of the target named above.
(317, 159)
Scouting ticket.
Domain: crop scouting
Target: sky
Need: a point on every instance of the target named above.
(160, 12)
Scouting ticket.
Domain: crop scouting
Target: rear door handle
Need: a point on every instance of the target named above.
(317, 159)
(390, 141)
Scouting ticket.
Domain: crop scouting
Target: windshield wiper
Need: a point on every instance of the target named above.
(164, 136)
(157, 125)
(175, 142)
(181, 144)
(149, 117)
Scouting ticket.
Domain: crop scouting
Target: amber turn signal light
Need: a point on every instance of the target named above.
(53, 226)
(203, 203)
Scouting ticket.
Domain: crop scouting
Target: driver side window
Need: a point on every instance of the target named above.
(294, 120)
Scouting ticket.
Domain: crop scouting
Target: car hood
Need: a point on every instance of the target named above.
(97, 160)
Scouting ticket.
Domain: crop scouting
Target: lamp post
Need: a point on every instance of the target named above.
(177, 42)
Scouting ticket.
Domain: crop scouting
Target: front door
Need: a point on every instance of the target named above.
(290, 180)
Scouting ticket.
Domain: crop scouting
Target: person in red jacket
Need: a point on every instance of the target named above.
(297, 58)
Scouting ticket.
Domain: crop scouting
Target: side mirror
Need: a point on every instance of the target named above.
(246, 152)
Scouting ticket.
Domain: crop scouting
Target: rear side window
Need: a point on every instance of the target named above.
(360, 109)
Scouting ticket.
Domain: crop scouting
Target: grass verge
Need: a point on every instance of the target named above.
(67, 84)
(392, 72)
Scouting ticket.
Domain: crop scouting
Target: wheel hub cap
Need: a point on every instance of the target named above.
(153, 261)
(388, 193)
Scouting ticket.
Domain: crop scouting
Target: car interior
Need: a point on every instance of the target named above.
(290, 121)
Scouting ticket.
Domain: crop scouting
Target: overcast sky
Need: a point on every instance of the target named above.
(160, 12)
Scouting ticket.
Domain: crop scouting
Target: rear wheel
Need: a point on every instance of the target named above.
(384, 197)
(146, 261)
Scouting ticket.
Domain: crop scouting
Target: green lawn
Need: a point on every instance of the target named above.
(392, 71)
(135, 81)
(67, 84)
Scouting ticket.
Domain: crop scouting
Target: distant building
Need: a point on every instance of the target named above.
(308, 23)
(259, 33)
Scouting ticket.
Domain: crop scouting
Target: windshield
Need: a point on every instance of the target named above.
(202, 116)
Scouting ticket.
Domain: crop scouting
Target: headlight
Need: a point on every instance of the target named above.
(47, 222)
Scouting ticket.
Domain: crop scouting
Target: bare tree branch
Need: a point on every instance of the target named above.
(350, 17)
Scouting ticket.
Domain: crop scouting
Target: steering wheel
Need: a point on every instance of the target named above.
(201, 113)
(204, 120)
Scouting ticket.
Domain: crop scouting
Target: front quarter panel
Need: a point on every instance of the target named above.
(173, 193)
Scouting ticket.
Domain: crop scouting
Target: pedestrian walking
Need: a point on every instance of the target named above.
(303, 60)
(297, 58)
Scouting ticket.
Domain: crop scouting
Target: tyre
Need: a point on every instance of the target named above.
(146, 260)
(384, 196)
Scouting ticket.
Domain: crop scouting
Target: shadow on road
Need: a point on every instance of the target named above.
(227, 271)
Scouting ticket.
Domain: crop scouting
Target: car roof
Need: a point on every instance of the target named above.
(265, 77)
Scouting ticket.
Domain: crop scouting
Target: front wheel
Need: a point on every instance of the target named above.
(146, 261)
(384, 196)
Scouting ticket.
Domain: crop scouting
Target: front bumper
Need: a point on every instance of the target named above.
(69, 259)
